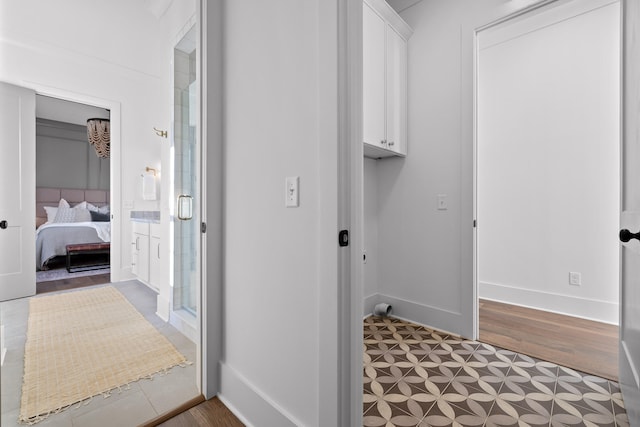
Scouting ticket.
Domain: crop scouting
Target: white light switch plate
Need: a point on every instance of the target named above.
(442, 202)
(292, 195)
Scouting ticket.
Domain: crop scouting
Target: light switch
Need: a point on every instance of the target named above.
(442, 202)
(292, 199)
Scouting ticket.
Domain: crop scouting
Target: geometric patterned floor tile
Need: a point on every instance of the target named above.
(416, 376)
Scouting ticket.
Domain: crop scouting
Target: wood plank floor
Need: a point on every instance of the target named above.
(208, 413)
(580, 344)
(72, 283)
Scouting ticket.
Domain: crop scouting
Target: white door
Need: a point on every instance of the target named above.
(17, 192)
(630, 217)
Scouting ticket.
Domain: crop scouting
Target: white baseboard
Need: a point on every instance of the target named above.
(422, 314)
(600, 311)
(3, 349)
(185, 322)
(163, 308)
(250, 405)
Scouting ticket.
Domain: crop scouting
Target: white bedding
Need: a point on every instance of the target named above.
(103, 229)
(52, 238)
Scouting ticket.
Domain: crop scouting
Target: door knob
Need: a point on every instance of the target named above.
(4, 224)
(626, 235)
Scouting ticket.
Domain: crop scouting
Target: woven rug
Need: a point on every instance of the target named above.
(85, 343)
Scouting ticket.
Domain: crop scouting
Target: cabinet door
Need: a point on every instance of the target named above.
(373, 74)
(396, 114)
(154, 263)
(134, 253)
(140, 265)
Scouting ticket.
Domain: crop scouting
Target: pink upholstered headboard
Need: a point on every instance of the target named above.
(51, 197)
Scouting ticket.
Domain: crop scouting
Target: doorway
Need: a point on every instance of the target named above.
(547, 160)
(68, 168)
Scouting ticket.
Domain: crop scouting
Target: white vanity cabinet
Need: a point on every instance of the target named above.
(155, 267)
(145, 252)
(385, 37)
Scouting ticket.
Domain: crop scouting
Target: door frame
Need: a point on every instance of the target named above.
(115, 162)
(212, 171)
(476, 57)
(533, 7)
(350, 213)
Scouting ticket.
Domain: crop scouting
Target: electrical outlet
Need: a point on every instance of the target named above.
(574, 278)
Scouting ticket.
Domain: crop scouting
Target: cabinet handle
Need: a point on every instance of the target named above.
(383, 141)
(137, 241)
(158, 250)
(391, 143)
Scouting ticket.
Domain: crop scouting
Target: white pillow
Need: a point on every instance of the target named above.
(103, 209)
(82, 215)
(65, 215)
(81, 205)
(53, 211)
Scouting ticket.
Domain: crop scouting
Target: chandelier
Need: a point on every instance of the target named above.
(99, 133)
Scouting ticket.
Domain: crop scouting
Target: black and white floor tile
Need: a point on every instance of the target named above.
(418, 377)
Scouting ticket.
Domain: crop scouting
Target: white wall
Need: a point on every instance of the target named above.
(548, 162)
(370, 238)
(276, 91)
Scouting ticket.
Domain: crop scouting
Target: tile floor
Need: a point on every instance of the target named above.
(415, 376)
(144, 399)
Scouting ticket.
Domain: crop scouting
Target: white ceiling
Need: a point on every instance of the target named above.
(66, 111)
(157, 7)
(400, 5)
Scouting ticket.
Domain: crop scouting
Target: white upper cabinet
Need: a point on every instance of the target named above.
(385, 37)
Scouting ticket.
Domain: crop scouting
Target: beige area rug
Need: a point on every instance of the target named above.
(85, 343)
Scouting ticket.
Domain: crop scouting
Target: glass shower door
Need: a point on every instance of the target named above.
(186, 186)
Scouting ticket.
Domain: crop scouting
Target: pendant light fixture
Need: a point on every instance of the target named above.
(99, 134)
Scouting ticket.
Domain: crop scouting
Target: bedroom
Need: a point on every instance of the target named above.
(72, 178)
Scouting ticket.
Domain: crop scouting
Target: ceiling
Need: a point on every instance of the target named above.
(67, 111)
(400, 5)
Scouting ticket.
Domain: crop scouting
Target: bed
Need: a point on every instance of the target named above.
(53, 237)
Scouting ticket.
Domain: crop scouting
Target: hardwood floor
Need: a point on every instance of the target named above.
(72, 283)
(580, 344)
(208, 413)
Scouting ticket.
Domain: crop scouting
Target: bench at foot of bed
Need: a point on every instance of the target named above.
(74, 252)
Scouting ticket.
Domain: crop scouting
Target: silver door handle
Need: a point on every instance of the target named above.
(185, 207)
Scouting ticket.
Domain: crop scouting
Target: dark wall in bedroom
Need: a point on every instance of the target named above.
(64, 157)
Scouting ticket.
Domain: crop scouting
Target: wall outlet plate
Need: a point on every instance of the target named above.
(574, 278)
